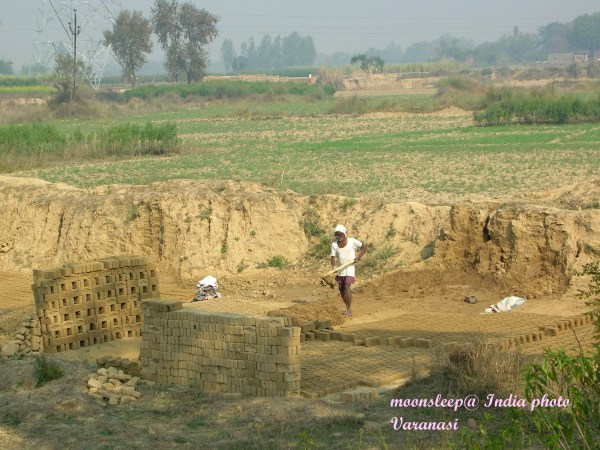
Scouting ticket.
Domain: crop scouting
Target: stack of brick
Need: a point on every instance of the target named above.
(90, 303)
(219, 352)
(114, 386)
(26, 340)
(321, 330)
(126, 365)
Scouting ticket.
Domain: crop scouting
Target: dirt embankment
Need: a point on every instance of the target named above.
(192, 228)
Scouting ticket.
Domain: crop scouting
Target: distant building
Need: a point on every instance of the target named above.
(565, 59)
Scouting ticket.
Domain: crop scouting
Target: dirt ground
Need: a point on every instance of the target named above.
(530, 247)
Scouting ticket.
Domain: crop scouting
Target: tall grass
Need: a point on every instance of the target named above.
(231, 90)
(538, 106)
(35, 145)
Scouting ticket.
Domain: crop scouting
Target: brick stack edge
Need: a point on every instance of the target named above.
(82, 304)
(220, 352)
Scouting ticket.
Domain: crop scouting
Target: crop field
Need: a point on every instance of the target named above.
(434, 157)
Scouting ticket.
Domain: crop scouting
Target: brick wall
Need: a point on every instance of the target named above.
(220, 352)
(82, 304)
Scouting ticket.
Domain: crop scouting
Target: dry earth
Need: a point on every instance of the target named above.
(531, 247)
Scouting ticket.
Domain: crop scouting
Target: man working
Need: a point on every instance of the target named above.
(344, 249)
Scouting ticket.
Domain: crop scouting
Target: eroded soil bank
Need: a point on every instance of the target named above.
(531, 245)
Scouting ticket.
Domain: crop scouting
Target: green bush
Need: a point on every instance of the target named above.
(45, 370)
(135, 139)
(277, 261)
(505, 106)
(31, 138)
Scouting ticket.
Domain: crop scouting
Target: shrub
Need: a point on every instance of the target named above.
(278, 262)
(505, 106)
(45, 370)
(331, 77)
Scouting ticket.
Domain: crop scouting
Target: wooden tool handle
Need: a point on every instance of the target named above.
(343, 266)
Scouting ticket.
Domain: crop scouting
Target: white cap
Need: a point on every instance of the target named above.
(340, 228)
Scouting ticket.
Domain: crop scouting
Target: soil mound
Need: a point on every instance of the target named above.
(308, 312)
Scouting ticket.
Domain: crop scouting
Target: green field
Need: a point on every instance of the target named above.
(300, 146)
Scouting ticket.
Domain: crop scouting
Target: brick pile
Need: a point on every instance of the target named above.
(220, 352)
(83, 304)
(114, 386)
(27, 339)
(126, 365)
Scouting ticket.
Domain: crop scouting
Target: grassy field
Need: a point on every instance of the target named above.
(304, 146)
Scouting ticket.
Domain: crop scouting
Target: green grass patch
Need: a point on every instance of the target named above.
(231, 89)
(277, 262)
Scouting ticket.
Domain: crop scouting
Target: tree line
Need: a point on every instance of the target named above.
(580, 35)
(290, 51)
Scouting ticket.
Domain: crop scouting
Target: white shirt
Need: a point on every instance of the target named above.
(345, 255)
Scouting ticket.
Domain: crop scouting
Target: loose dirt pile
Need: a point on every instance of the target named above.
(300, 314)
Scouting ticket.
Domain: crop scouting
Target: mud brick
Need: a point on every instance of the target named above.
(336, 335)
(43, 282)
(50, 274)
(81, 328)
(322, 335)
(112, 306)
(101, 308)
(348, 337)
(310, 336)
(55, 318)
(288, 332)
(121, 289)
(309, 395)
(67, 271)
(110, 263)
(359, 342)
(423, 343)
(108, 279)
(549, 330)
(69, 328)
(322, 324)
(142, 279)
(394, 340)
(87, 295)
(53, 331)
(117, 334)
(104, 322)
(536, 337)
(347, 397)
(154, 284)
(98, 293)
(115, 323)
(372, 341)
(83, 340)
(407, 342)
(131, 275)
(51, 300)
(130, 331)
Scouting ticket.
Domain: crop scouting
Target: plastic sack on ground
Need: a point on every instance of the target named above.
(506, 304)
(207, 288)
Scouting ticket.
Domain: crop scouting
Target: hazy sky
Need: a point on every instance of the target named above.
(351, 26)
